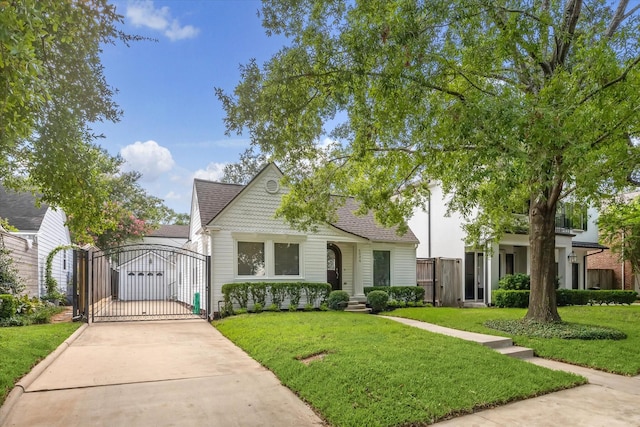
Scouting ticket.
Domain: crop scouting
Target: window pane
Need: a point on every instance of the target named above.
(251, 259)
(381, 268)
(287, 259)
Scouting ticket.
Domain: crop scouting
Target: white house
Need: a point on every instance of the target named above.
(235, 225)
(442, 236)
(44, 225)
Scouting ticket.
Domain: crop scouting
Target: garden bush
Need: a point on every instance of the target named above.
(338, 300)
(515, 282)
(405, 294)
(564, 297)
(377, 300)
(245, 295)
(8, 306)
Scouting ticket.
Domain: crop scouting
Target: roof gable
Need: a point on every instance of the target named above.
(20, 209)
(214, 198)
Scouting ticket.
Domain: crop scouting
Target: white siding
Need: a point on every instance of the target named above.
(403, 258)
(53, 233)
(168, 241)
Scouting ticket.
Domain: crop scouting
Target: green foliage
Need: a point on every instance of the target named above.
(257, 307)
(53, 294)
(520, 299)
(402, 294)
(273, 307)
(4, 223)
(8, 306)
(512, 299)
(619, 227)
(338, 300)
(514, 282)
(500, 106)
(53, 89)
(562, 330)
(244, 170)
(377, 300)
(10, 281)
(239, 295)
(308, 307)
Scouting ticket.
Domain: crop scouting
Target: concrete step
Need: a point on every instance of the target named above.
(497, 342)
(358, 310)
(517, 352)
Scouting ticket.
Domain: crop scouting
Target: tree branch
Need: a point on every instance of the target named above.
(563, 41)
(610, 83)
(618, 17)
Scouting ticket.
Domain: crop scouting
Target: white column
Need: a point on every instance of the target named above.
(358, 287)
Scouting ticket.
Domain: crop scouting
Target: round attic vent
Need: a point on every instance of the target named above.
(272, 186)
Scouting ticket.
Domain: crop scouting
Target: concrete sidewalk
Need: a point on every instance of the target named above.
(178, 373)
(608, 400)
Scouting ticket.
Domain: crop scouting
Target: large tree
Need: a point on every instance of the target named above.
(505, 103)
(52, 88)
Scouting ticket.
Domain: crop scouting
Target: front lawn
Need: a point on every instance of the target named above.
(619, 357)
(21, 348)
(376, 372)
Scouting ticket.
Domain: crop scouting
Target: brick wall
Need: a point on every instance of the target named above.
(607, 260)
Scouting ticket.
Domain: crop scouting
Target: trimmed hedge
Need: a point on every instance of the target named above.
(515, 282)
(241, 296)
(377, 300)
(520, 299)
(338, 300)
(406, 294)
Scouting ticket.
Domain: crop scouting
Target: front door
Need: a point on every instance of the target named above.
(474, 276)
(334, 266)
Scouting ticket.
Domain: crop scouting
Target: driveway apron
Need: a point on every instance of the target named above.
(178, 373)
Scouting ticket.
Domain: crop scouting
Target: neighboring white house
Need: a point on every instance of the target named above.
(235, 224)
(169, 235)
(44, 225)
(442, 236)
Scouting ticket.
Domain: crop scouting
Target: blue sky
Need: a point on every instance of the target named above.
(172, 128)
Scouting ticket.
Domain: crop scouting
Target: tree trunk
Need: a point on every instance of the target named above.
(542, 241)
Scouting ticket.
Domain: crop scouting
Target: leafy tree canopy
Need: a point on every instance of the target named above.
(503, 103)
(52, 87)
(246, 168)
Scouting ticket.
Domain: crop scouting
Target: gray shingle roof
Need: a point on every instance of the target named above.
(173, 231)
(20, 210)
(214, 196)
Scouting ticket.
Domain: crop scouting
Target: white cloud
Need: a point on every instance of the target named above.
(145, 14)
(148, 158)
(172, 195)
(213, 172)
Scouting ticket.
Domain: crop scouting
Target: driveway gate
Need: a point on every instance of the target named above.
(143, 282)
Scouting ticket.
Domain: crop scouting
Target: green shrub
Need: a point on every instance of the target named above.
(8, 306)
(293, 308)
(404, 294)
(273, 307)
(377, 300)
(257, 308)
(258, 293)
(308, 307)
(338, 300)
(512, 299)
(515, 282)
(294, 292)
(238, 295)
(324, 307)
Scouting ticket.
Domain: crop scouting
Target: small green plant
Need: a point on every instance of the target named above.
(308, 307)
(273, 307)
(257, 308)
(10, 281)
(338, 300)
(240, 311)
(293, 308)
(377, 300)
(8, 306)
(324, 307)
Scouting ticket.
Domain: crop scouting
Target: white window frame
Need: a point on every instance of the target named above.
(269, 255)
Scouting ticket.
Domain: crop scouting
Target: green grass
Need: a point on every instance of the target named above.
(377, 372)
(21, 348)
(619, 356)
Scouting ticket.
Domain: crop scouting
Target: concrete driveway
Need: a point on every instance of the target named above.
(167, 373)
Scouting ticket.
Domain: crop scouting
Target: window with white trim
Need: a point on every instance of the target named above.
(381, 268)
(286, 259)
(251, 259)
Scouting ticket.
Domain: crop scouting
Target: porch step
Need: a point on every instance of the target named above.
(517, 352)
(355, 306)
(474, 305)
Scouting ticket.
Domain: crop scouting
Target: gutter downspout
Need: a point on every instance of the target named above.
(429, 226)
(584, 267)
